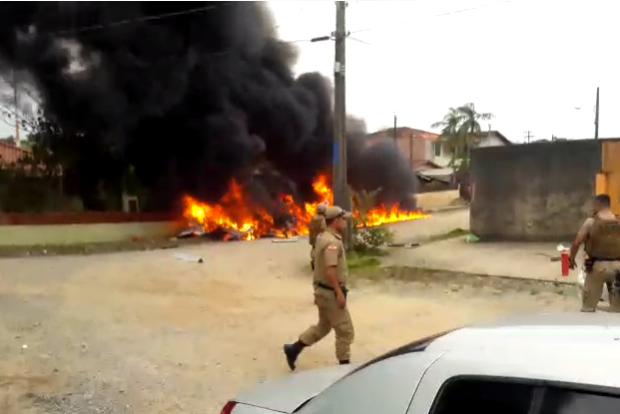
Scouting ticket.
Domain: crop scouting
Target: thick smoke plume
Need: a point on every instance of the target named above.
(180, 103)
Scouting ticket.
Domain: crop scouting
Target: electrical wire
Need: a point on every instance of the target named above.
(117, 23)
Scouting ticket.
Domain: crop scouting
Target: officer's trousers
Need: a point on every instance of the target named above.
(331, 317)
(602, 272)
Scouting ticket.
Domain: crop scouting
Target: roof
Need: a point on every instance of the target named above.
(418, 165)
(497, 134)
(10, 154)
(437, 172)
(405, 131)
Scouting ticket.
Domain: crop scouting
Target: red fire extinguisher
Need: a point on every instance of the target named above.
(565, 262)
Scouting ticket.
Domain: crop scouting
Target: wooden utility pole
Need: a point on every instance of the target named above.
(340, 182)
(394, 132)
(596, 116)
(16, 106)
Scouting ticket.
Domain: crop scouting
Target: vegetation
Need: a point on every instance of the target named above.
(460, 133)
(366, 239)
(362, 261)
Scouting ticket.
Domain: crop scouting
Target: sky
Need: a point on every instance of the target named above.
(534, 64)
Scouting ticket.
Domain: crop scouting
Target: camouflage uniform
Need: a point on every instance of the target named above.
(602, 245)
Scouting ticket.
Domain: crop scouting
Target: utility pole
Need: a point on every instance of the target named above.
(340, 182)
(394, 131)
(528, 136)
(16, 106)
(596, 116)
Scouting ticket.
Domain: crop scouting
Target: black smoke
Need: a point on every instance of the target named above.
(178, 97)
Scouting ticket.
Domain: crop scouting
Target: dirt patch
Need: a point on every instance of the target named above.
(143, 332)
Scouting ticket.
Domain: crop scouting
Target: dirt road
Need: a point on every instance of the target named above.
(144, 332)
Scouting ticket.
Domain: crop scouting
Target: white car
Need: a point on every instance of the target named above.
(549, 364)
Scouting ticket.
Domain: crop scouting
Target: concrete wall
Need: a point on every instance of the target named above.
(533, 192)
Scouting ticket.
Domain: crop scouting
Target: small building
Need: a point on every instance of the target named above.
(485, 139)
(10, 154)
(416, 145)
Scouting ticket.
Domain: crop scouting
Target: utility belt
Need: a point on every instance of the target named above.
(589, 262)
(322, 285)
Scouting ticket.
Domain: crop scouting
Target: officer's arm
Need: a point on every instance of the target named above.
(331, 267)
(582, 234)
(332, 276)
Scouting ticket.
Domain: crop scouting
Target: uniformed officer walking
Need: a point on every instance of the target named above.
(316, 227)
(601, 236)
(330, 291)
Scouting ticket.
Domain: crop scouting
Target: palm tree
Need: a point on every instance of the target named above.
(460, 132)
(451, 138)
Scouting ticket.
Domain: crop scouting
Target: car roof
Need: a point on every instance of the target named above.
(577, 348)
(600, 329)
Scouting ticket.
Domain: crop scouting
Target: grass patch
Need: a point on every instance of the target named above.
(363, 262)
(366, 259)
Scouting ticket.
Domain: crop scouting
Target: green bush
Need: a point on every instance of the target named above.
(371, 238)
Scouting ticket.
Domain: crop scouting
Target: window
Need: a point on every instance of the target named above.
(437, 149)
(563, 401)
(464, 396)
(505, 396)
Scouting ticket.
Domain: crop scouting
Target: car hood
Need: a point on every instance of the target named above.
(289, 393)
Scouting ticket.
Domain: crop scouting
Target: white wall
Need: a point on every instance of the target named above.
(64, 234)
(491, 141)
(442, 160)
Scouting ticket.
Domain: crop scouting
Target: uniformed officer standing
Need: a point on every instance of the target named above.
(330, 291)
(601, 235)
(316, 227)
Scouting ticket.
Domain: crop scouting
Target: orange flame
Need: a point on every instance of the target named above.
(235, 213)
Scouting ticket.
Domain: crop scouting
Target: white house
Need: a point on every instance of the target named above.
(485, 139)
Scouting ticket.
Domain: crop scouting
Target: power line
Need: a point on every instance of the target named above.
(138, 19)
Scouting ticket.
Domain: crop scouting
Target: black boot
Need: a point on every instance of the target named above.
(292, 351)
(345, 362)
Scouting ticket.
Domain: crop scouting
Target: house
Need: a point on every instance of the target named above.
(484, 139)
(10, 154)
(416, 145)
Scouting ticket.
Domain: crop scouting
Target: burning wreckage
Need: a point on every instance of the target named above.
(182, 100)
(235, 217)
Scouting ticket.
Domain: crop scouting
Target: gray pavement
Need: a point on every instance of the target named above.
(519, 260)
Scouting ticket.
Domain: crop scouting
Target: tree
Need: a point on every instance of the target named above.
(460, 133)
(451, 138)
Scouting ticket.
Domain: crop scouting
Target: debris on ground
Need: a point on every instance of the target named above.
(285, 240)
(405, 245)
(188, 258)
(551, 257)
(472, 238)
(194, 231)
